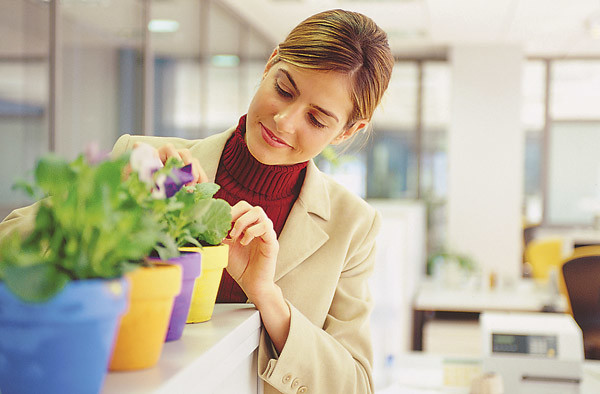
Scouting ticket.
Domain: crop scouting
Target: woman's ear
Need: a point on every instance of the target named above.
(271, 61)
(350, 131)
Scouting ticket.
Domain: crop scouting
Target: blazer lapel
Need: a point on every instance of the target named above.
(209, 151)
(302, 235)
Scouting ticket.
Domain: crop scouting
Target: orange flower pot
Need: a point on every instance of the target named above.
(206, 286)
(143, 328)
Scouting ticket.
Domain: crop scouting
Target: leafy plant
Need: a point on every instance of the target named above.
(89, 225)
(465, 262)
(187, 215)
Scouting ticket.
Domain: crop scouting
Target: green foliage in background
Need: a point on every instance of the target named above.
(465, 262)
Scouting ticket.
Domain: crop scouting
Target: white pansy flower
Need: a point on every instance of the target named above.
(144, 160)
(159, 191)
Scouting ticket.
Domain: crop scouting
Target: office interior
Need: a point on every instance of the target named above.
(484, 157)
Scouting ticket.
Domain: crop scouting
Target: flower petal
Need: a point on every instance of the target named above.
(178, 178)
(145, 161)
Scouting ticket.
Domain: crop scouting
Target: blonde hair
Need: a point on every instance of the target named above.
(346, 42)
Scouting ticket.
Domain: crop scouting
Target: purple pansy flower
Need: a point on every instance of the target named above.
(176, 180)
(168, 185)
(94, 154)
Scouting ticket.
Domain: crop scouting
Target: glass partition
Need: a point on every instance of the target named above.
(391, 156)
(206, 69)
(533, 118)
(100, 84)
(24, 54)
(434, 149)
(574, 173)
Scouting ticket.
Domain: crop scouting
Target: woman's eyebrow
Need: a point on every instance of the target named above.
(289, 77)
(324, 111)
(320, 109)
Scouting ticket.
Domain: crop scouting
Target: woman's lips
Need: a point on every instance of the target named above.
(272, 140)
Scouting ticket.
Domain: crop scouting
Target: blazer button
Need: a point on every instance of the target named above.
(302, 390)
(286, 379)
(295, 383)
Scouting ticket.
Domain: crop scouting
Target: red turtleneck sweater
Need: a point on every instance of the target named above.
(242, 177)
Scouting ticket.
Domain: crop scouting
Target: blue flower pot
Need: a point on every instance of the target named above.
(63, 345)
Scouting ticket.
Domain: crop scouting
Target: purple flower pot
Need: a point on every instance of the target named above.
(190, 264)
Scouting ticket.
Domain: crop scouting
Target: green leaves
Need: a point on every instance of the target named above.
(91, 223)
(53, 173)
(205, 190)
(212, 220)
(89, 226)
(37, 283)
(190, 216)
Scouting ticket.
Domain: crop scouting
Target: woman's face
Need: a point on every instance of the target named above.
(296, 113)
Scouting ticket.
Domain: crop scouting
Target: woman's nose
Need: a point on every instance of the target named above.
(286, 119)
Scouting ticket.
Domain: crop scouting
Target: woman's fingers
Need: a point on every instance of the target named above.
(263, 230)
(198, 172)
(244, 215)
(250, 222)
(168, 150)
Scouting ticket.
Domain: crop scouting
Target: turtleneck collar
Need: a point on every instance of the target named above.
(271, 182)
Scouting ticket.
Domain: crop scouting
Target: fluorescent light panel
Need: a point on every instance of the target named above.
(225, 60)
(163, 26)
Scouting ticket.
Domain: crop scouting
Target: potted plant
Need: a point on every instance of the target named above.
(184, 214)
(451, 269)
(193, 222)
(62, 289)
(199, 222)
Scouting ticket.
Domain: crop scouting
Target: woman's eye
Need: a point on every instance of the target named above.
(281, 91)
(315, 122)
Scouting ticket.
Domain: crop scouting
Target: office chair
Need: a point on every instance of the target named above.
(590, 250)
(582, 279)
(544, 255)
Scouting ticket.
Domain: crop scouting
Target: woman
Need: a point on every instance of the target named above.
(301, 246)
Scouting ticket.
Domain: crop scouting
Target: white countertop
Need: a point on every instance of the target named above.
(423, 373)
(203, 357)
(523, 296)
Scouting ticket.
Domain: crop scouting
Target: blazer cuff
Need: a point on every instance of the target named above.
(284, 371)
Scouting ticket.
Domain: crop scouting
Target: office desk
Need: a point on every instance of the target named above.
(573, 237)
(217, 356)
(422, 373)
(524, 296)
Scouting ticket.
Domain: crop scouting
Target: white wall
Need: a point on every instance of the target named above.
(486, 153)
(399, 267)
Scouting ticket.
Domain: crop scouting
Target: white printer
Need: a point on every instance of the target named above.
(534, 353)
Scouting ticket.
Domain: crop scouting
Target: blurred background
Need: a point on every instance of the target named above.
(487, 139)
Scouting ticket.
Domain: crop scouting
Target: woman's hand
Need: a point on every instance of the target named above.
(253, 249)
(168, 150)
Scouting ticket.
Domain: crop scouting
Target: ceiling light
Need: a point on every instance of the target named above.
(163, 26)
(593, 25)
(225, 60)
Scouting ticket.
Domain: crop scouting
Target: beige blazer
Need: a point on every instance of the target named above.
(325, 258)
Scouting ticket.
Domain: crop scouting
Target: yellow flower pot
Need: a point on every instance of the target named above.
(214, 259)
(143, 328)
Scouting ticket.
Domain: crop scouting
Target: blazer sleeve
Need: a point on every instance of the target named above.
(21, 220)
(335, 358)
